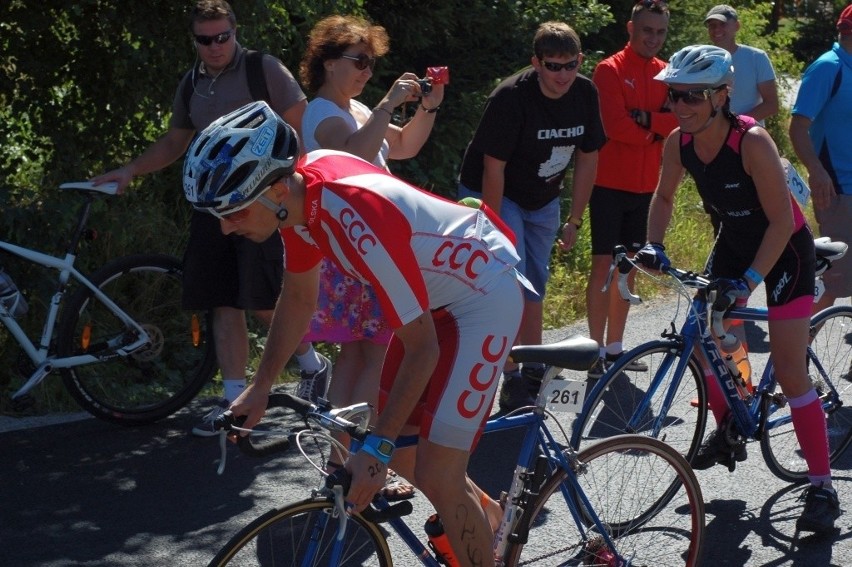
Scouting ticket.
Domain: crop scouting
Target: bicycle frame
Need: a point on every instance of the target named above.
(537, 440)
(750, 415)
(40, 354)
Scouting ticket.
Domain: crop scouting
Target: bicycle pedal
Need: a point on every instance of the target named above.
(23, 403)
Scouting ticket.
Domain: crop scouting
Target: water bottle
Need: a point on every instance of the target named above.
(736, 359)
(439, 542)
(10, 296)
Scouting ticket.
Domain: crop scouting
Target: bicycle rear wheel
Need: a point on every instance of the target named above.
(642, 491)
(153, 382)
(831, 344)
(305, 533)
(633, 401)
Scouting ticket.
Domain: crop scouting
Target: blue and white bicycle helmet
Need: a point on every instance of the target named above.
(700, 65)
(237, 157)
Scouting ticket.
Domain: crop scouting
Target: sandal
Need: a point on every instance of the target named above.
(397, 488)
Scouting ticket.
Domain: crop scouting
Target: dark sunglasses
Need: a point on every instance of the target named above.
(219, 38)
(651, 3)
(362, 61)
(691, 97)
(556, 67)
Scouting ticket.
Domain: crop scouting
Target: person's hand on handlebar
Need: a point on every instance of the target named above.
(728, 291)
(368, 478)
(653, 256)
(252, 404)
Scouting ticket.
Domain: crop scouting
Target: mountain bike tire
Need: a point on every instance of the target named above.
(155, 381)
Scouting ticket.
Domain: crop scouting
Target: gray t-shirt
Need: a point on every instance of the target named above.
(217, 95)
(751, 67)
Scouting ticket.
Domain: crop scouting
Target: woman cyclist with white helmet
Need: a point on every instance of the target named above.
(763, 236)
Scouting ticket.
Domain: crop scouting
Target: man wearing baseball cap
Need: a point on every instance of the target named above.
(755, 92)
(822, 138)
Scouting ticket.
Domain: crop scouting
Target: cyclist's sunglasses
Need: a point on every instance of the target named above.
(362, 61)
(651, 3)
(219, 38)
(691, 97)
(556, 67)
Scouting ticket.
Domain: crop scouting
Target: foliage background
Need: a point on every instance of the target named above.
(86, 85)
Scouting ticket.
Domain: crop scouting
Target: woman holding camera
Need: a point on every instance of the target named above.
(338, 61)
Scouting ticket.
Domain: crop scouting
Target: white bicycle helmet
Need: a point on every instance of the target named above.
(700, 65)
(237, 157)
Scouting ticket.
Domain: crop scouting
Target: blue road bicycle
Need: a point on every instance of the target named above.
(627, 501)
(668, 401)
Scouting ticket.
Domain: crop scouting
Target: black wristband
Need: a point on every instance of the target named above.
(430, 110)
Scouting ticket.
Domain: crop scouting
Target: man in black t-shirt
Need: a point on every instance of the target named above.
(534, 123)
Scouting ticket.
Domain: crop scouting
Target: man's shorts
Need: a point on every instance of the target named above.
(230, 271)
(618, 217)
(473, 344)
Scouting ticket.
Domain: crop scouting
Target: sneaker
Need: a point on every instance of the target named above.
(313, 385)
(715, 450)
(205, 427)
(598, 369)
(821, 509)
(634, 366)
(514, 394)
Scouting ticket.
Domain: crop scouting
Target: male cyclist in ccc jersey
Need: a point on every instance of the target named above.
(441, 271)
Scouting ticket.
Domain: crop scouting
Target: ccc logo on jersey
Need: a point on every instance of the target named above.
(356, 231)
(460, 256)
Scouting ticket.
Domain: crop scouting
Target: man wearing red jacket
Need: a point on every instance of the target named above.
(636, 121)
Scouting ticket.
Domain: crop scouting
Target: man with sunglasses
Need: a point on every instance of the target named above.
(534, 123)
(636, 120)
(225, 274)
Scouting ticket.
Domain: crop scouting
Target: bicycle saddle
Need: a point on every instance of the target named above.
(572, 353)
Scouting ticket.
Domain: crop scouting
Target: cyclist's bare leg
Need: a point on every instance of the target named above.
(440, 474)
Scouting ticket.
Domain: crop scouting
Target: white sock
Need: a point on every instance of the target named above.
(310, 361)
(233, 388)
(614, 348)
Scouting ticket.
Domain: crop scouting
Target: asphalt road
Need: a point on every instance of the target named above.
(89, 493)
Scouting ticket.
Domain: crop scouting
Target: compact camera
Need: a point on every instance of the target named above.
(434, 76)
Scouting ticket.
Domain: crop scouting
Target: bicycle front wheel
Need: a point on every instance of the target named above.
(628, 481)
(306, 533)
(657, 401)
(831, 344)
(152, 382)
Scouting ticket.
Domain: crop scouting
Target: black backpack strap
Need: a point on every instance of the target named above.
(255, 75)
(189, 85)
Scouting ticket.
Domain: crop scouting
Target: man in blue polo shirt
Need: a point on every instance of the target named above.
(822, 138)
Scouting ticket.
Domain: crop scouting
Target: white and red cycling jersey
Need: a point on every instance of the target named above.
(418, 251)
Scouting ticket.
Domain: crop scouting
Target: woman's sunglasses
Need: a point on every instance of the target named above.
(362, 61)
(219, 38)
(556, 67)
(691, 97)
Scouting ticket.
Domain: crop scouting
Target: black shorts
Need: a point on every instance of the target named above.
(790, 278)
(618, 217)
(229, 271)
